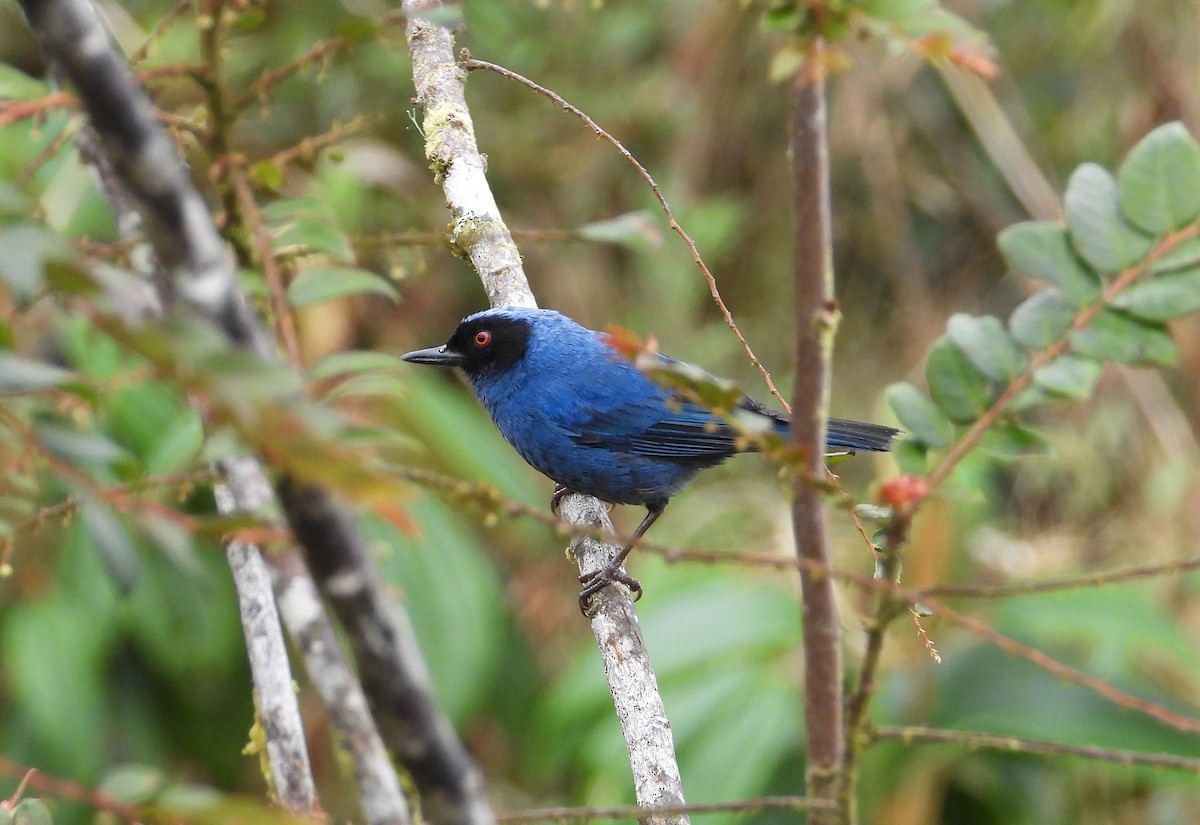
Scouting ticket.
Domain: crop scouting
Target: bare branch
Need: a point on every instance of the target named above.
(631, 677)
(1011, 744)
(816, 321)
(477, 232)
(389, 661)
(246, 490)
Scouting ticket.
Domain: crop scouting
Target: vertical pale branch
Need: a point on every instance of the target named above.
(479, 234)
(630, 675)
(816, 322)
(246, 490)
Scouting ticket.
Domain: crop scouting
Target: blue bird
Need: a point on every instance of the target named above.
(591, 421)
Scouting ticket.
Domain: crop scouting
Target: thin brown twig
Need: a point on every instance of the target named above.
(1100, 579)
(285, 322)
(307, 148)
(1012, 744)
(259, 89)
(12, 111)
(52, 150)
(472, 63)
(1065, 672)
(487, 497)
(43, 782)
(160, 28)
(971, 625)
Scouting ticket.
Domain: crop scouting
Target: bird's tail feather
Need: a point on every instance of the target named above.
(843, 433)
(859, 435)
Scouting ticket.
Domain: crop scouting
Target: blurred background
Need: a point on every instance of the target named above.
(927, 167)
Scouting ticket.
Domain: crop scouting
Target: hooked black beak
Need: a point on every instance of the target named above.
(437, 356)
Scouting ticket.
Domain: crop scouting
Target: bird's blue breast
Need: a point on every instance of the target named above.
(579, 413)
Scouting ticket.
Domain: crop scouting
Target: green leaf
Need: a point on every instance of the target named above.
(1159, 181)
(88, 448)
(1044, 250)
(19, 374)
(633, 229)
(308, 237)
(1010, 440)
(112, 541)
(352, 361)
(987, 346)
(1163, 298)
(955, 386)
(1098, 230)
(16, 85)
(1115, 336)
(1069, 376)
(134, 784)
(27, 249)
(1041, 319)
(31, 812)
(326, 283)
(1183, 254)
(919, 415)
(307, 225)
(912, 456)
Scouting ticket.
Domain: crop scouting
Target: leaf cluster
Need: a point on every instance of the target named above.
(1126, 262)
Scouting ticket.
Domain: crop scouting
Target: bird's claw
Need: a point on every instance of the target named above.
(561, 491)
(597, 580)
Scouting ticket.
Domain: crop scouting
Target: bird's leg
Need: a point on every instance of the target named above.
(597, 580)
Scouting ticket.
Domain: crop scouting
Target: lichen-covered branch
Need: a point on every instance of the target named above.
(245, 489)
(479, 233)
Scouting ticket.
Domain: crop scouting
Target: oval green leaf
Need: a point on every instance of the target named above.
(1041, 319)
(327, 283)
(1069, 376)
(1181, 256)
(955, 386)
(1098, 230)
(112, 541)
(18, 374)
(1164, 298)
(1116, 336)
(919, 415)
(987, 345)
(1044, 250)
(1159, 181)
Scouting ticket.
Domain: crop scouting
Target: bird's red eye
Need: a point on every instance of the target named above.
(483, 338)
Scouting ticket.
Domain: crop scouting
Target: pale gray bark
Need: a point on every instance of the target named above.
(480, 234)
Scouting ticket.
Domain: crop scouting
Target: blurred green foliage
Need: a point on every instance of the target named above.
(119, 641)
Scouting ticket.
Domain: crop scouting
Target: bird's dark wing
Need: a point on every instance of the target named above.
(680, 430)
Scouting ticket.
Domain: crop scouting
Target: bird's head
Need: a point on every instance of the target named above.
(486, 343)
